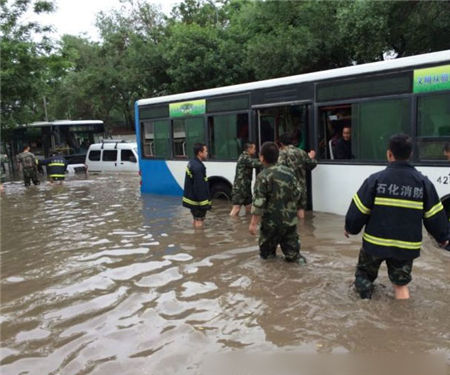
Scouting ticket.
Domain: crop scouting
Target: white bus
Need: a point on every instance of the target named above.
(409, 95)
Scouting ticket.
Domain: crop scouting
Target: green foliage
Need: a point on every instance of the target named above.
(202, 44)
(24, 62)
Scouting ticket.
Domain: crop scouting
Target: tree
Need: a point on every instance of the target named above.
(403, 28)
(24, 62)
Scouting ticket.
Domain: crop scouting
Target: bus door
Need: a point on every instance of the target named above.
(294, 118)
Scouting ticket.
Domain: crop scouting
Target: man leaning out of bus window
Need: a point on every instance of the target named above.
(391, 205)
(196, 187)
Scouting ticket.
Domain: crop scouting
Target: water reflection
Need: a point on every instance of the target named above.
(97, 279)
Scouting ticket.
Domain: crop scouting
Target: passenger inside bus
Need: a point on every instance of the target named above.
(343, 146)
(334, 120)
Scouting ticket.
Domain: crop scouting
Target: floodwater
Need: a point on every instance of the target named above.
(98, 279)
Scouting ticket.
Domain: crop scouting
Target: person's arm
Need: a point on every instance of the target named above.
(250, 162)
(310, 162)
(358, 213)
(258, 204)
(434, 217)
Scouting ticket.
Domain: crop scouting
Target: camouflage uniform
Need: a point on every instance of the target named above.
(275, 200)
(242, 187)
(299, 162)
(29, 167)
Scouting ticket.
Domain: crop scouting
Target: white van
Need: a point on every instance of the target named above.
(112, 156)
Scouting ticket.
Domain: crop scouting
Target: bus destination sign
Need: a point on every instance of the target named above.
(432, 79)
(191, 108)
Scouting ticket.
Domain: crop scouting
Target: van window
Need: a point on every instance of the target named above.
(94, 155)
(127, 155)
(109, 155)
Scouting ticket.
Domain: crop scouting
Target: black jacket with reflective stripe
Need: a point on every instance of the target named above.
(56, 166)
(392, 204)
(196, 186)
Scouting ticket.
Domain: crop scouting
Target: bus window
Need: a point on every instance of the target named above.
(278, 120)
(332, 121)
(148, 138)
(179, 139)
(227, 135)
(162, 139)
(375, 122)
(433, 126)
(187, 132)
(267, 129)
(195, 133)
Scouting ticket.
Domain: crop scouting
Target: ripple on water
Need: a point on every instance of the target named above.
(133, 270)
(180, 257)
(192, 288)
(91, 307)
(116, 253)
(160, 279)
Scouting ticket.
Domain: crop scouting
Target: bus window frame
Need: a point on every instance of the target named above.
(142, 134)
(416, 159)
(251, 130)
(350, 102)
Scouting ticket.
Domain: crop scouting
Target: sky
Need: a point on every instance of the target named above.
(77, 17)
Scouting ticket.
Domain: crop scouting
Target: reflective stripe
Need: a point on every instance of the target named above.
(194, 203)
(57, 175)
(434, 210)
(360, 206)
(391, 242)
(189, 172)
(398, 203)
(56, 165)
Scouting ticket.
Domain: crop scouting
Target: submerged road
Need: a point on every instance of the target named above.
(98, 279)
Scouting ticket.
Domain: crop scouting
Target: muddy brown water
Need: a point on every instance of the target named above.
(99, 279)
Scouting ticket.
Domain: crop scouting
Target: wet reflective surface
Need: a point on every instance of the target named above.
(97, 279)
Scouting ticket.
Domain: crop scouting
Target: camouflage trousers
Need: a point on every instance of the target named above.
(30, 174)
(399, 271)
(242, 195)
(287, 237)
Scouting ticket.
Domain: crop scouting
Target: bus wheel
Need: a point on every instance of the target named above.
(221, 190)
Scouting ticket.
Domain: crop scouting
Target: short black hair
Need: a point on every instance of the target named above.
(247, 145)
(269, 151)
(286, 139)
(400, 146)
(198, 147)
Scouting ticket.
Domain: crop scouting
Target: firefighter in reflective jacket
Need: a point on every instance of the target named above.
(392, 204)
(196, 186)
(56, 168)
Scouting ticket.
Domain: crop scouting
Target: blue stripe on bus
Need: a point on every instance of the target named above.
(155, 174)
(157, 178)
